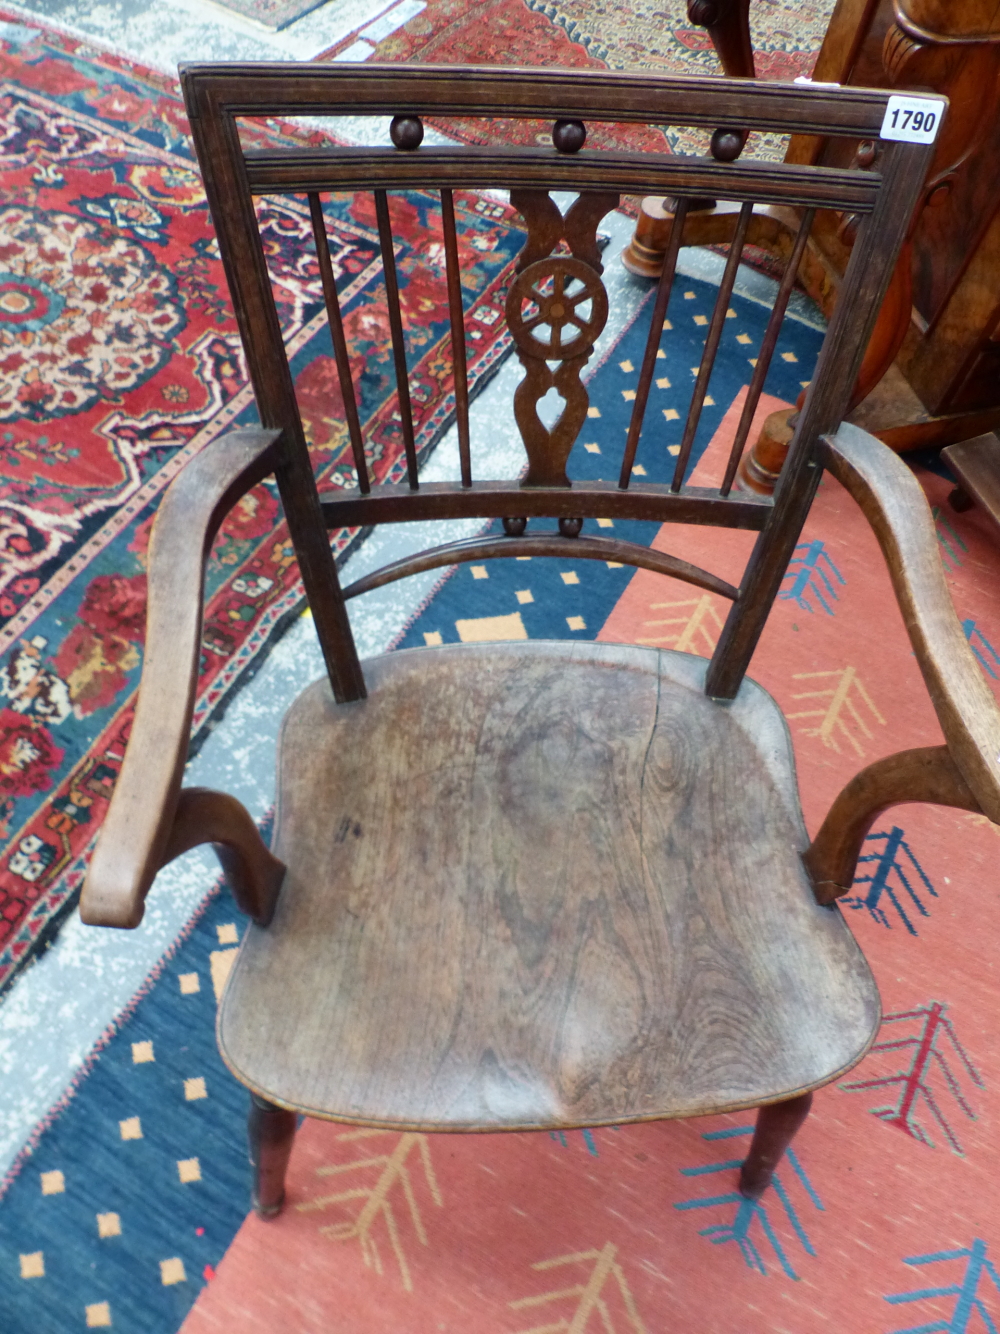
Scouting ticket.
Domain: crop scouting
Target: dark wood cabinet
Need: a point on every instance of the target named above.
(932, 375)
(949, 359)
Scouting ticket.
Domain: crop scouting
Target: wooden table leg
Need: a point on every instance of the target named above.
(776, 1127)
(762, 463)
(270, 1131)
(728, 24)
(644, 254)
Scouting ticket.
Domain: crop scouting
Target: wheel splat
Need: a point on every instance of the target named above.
(547, 226)
(557, 307)
(565, 298)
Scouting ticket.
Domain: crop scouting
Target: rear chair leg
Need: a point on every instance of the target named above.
(270, 1130)
(776, 1127)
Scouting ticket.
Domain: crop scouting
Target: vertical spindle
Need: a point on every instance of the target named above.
(711, 345)
(457, 317)
(396, 329)
(339, 341)
(660, 304)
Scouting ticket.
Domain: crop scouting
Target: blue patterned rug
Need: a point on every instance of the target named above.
(126, 1199)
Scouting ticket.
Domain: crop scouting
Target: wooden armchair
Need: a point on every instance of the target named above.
(575, 887)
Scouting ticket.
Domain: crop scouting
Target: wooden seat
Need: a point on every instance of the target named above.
(536, 884)
(569, 871)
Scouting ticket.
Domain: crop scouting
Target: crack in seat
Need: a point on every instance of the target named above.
(541, 885)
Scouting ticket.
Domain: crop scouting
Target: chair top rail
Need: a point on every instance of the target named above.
(261, 89)
(477, 168)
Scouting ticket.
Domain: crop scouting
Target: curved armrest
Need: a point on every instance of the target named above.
(896, 507)
(926, 774)
(134, 839)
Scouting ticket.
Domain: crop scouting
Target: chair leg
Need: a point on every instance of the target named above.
(270, 1130)
(776, 1127)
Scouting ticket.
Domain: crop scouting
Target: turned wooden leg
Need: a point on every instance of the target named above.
(776, 1127)
(644, 253)
(760, 467)
(728, 24)
(270, 1131)
(707, 223)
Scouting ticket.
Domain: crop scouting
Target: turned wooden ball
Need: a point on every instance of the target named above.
(703, 12)
(569, 136)
(406, 132)
(727, 145)
(515, 527)
(570, 527)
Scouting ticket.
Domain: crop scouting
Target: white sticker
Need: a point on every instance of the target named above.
(913, 120)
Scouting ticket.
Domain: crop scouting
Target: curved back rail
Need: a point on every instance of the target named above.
(556, 305)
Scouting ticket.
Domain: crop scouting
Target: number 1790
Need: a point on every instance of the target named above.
(920, 122)
(914, 120)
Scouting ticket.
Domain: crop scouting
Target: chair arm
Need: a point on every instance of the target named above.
(139, 824)
(926, 774)
(895, 505)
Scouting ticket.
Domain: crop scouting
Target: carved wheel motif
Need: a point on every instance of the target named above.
(556, 309)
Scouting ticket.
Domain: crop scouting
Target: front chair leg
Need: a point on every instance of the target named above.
(270, 1130)
(776, 1127)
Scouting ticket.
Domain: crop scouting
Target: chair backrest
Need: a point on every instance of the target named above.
(556, 305)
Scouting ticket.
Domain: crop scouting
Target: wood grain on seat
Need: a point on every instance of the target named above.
(541, 884)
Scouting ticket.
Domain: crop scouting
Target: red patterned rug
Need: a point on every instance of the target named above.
(610, 34)
(786, 34)
(119, 359)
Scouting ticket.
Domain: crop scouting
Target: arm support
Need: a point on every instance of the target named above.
(926, 774)
(965, 772)
(894, 504)
(140, 832)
